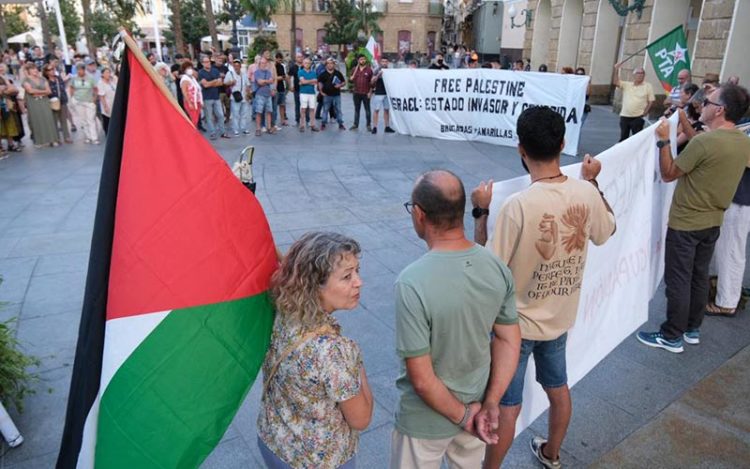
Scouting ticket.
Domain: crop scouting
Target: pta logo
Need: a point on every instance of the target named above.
(670, 59)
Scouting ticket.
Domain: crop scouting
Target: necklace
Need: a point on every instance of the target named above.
(548, 177)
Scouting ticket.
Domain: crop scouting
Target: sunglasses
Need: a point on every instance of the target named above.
(707, 101)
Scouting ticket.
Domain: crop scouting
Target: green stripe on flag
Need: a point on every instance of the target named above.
(171, 401)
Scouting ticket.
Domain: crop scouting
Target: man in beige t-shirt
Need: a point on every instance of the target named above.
(543, 234)
(637, 99)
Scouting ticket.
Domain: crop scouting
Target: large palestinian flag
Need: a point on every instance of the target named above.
(176, 317)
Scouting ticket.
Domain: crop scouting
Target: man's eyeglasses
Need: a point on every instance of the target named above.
(707, 101)
(409, 206)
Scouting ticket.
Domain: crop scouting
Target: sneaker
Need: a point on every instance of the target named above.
(692, 337)
(657, 340)
(536, 447)
(246, 132)
(369, 128)
(236, 134)
(342, 127)
(389, 130)
(374, 130)
(322, 126)
(277, 128)
(86, 140)
(354, 127)
(264, 130)
(314, 129)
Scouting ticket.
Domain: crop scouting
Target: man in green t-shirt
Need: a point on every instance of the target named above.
(456, 333)
(708, 172)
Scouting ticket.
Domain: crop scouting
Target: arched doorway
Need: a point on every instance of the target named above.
(540, 37)
(570, 34)
(604, 51)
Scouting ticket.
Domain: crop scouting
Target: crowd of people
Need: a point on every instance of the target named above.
(56, 99)
(469, 317)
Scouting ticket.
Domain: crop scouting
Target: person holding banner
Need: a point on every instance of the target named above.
(707, 172)
(380, 99)
(543, 234)
(637, 99)
(449, 302)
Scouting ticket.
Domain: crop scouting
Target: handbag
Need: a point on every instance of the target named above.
(322, 330)
(54, 104)
(237, 96)
(243, 168)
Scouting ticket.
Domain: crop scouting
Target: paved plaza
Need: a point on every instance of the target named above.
(354, 183)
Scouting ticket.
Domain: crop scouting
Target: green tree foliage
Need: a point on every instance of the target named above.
(260, 10)
(103, 26)
(341, 29)
(365, 19)
(13, 22)
(124, 11)
(71, 21)
(194, 23)
(261, 43)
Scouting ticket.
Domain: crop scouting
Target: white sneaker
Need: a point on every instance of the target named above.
(277, 128)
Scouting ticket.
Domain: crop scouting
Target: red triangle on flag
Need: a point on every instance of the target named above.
(183, 222)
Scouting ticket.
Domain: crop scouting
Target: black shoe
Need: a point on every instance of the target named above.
(354, 127)
(322, 126)
(389, 130)
(374, 130)
(342, 127)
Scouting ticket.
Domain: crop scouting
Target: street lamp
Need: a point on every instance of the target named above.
(233, 8)
(513, 13)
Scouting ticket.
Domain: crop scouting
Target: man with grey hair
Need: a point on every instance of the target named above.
(637, 99)
(683, 78)
(457, 356)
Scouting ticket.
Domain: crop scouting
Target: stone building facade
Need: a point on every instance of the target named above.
(408, 26)
(591, 34)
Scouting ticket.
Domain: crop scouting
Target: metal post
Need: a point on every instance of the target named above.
(155, 17)
(61, 29)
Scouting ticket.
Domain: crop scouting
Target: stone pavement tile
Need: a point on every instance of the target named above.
(647, 391)
(244, 423)
(44, 460)
(58, 243)
(368, 237)
(60, 196)
(62, 263)
(42, 420)
(370, 212)
(595, 424)
(309, 220)
(375, 447)
(37, 220)
(383, 385)
(378, 299)
(371, 267)
(54, 293)
(282, 237)
(376, 341)
(51, 338)
(722, 397)
(10, 311)
(16, 274)
(398, 257)
(231, 453)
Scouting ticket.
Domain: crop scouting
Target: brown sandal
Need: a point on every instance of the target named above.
(712, 309)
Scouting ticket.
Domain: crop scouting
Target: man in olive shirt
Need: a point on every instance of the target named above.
(448, 303)
(637, 99)
(707, 173)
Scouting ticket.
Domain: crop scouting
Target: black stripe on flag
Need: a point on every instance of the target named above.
(87, 370)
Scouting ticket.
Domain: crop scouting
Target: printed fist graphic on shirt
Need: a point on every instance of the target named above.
(547, 242)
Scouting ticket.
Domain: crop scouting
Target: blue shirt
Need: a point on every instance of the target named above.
(213, 74)
(307, 75)
(262, 74)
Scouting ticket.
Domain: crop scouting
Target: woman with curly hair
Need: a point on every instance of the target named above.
(316, 398)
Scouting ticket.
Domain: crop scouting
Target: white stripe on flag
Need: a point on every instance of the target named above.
(121, 337)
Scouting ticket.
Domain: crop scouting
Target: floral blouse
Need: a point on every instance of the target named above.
(300, 420)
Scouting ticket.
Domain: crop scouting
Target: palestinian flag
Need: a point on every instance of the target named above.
(373, 50)
(176, 317)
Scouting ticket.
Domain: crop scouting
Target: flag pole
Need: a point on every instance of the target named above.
(155, 77)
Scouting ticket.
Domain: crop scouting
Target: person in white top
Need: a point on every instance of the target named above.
(106, 90)
(239, 103)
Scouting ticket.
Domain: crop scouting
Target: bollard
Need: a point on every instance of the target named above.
(8, 429)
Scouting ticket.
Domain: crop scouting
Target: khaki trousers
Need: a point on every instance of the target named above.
(462, 451)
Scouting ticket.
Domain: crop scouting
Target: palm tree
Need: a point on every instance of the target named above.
(365, 19)
(211, 19)
(260, 10)
(177, 25)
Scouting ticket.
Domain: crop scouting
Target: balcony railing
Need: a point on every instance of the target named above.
(435, 9)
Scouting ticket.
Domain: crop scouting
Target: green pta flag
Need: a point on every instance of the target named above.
(669, 55)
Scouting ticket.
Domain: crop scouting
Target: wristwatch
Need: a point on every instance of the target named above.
(662, 143)
(478, 212)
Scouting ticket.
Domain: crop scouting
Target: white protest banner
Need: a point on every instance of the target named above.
(480, 104)
(620, 276)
